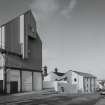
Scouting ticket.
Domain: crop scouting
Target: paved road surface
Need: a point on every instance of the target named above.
(52, 99)
(101, 101)
(64, 100)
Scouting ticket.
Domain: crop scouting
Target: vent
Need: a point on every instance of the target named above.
(32, 31)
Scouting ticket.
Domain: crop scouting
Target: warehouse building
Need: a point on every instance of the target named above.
(20, 55)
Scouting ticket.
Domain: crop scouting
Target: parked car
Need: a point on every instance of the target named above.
(102, 92)
(98, 89)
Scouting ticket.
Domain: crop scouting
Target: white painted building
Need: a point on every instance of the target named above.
(85, 82)
(77, 82)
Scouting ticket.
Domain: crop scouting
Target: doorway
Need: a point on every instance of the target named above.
(1, 86)
(13, 87)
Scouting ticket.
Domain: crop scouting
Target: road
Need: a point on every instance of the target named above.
(101, 101)
(52, 99)
(66, 100)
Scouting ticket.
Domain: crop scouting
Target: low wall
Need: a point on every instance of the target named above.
(48, 84)
(60, 86)
(67, 88)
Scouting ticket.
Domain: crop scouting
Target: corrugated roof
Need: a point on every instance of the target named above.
(84, 74)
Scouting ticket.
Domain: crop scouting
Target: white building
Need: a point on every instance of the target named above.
(76, 82)
(54, 76)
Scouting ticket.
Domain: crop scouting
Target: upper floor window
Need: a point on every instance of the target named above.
(32, 30)
(2, 37)
(87, 79)
(22, 35)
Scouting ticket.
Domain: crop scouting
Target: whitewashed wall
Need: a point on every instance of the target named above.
(87, 85)
(48, 84)
(93, 84)
(80, 83)
(58, 85)
(75, 76)
(51, 77)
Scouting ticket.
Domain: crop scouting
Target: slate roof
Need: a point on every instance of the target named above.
(84, 74)
(59, 73)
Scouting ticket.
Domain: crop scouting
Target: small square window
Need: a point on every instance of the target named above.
(65, 78)
(75, 79)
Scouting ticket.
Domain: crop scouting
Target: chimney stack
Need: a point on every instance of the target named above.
(56, 70)
(45, 71)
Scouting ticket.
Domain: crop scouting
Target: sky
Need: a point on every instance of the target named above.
(72, 32)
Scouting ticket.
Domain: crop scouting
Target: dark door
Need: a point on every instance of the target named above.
(13, 86)
(1, 86)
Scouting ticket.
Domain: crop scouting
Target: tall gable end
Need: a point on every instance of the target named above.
(30, 24)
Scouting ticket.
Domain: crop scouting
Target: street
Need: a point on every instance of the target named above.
(52, 99)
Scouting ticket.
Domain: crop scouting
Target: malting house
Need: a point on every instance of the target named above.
(20, 55)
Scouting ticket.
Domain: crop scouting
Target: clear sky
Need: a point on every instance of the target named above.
(72, 32)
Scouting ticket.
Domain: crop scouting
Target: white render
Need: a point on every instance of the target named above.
(74, 79)
(51, 77)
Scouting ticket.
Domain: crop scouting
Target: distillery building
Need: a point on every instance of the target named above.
(20, 55)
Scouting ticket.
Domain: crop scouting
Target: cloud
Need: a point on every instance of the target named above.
(45, 9)
(67, 11)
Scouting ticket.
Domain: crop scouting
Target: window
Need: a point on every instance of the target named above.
(62, 89)
(32, 31)
(65, 79)
(22, 34)
(2, 37)
(75, 79)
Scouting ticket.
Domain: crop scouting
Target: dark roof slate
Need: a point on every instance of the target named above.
(59, 73)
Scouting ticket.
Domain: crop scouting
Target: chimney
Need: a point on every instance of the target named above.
(45, 71)
(56, 70)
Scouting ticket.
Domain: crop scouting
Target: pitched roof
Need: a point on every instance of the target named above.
(59, 73)
(84, 74)
(14, 17)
